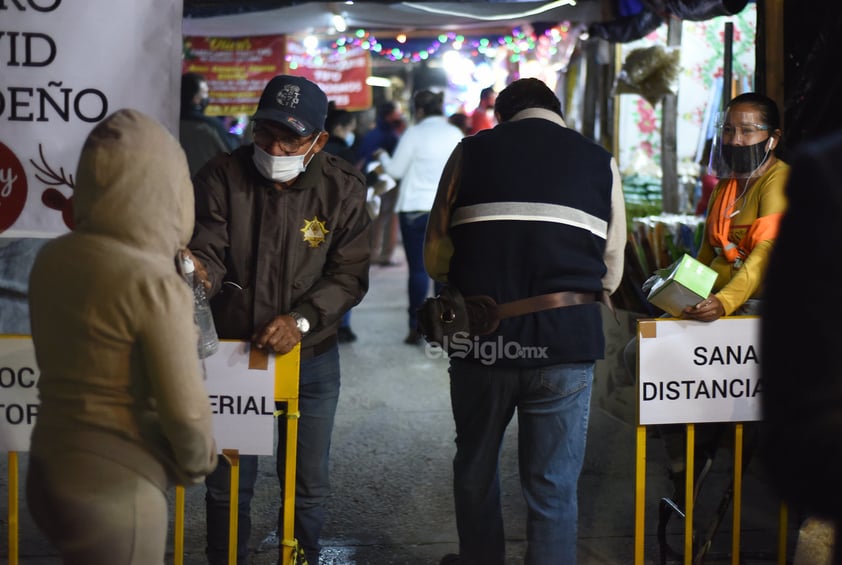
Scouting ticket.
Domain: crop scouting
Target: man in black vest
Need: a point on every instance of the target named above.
(528, 211)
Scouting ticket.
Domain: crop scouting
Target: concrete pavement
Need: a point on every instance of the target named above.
(391, 499)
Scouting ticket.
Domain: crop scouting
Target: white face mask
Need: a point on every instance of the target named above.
(349, 138)
(283, 168)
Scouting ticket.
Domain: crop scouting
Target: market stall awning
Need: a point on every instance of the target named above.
(318, 17)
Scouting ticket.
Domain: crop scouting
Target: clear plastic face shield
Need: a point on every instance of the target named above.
(741, 144)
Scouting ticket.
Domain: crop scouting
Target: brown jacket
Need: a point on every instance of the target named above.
(270, 251)
(112, 319)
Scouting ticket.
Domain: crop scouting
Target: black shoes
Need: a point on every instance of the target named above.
(345, 335)
(450, 559)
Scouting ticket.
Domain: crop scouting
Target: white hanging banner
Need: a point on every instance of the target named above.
(65, 67)
(696, 372)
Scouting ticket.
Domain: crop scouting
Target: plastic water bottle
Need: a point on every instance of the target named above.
(208, 340)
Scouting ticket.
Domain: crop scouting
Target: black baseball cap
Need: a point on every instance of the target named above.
(294, 102)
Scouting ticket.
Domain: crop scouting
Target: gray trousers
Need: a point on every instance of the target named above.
(97, 512)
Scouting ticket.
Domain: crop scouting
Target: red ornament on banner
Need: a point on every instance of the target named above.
(53, 198)
(12, 188)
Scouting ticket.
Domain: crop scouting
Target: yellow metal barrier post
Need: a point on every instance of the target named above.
(13, 508)
(782, 523)
(639, 495)
(233, 458)
(738, 494)
(688, 494)
(178, 535)
(286, 391)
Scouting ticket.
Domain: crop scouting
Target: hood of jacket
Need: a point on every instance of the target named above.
(122, 188)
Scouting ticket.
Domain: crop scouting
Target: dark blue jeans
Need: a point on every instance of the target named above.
(318, 397)
(553, 406)
(413, 229)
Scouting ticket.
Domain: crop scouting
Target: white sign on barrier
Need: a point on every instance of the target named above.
(697, 372)
(18, 392)
(242, 400)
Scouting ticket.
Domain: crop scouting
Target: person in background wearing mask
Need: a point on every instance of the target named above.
(745, 208)
(388, 127)
(418, 162)
(384, 135)
(341, 126)
(201, 136)
(282, 241)
(483, 116)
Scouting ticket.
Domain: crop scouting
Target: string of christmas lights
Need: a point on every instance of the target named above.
(401, 49)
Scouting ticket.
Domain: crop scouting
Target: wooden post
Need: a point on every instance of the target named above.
(670, 201)
(615, 117)
(727, 65)
(769, 58)
(591, 93)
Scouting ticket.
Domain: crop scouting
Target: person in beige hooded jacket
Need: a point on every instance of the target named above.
(124, 411)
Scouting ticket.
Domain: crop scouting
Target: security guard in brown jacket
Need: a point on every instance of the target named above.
(282, 234)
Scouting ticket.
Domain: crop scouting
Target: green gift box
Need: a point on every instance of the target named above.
(685, 283)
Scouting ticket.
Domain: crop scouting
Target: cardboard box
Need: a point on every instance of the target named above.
(688, 283)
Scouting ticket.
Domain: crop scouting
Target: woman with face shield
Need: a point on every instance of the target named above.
(745, 208)
(743, 215)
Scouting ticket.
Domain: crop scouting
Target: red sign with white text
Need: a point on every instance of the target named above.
(341, 74)
(236, 68)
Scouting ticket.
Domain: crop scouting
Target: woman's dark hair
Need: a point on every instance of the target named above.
(765, 105)
(384, 110)
(337, 117)
(486, 93)
(190, 83)
(525, 93)
(461, 121)
(429, 102)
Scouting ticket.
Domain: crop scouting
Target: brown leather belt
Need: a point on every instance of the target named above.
(544, 302)
(485, 315)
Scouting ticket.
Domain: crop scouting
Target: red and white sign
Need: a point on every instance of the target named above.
(66, 66)
(236, 68)
(341, 75)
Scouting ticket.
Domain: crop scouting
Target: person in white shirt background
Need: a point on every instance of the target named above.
(418, 162)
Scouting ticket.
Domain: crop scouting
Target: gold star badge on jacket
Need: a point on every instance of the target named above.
(314, 231)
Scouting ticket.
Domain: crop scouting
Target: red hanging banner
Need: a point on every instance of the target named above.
(341, 74)
(236, 68)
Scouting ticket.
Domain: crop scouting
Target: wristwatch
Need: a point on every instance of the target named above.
(302, 323)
